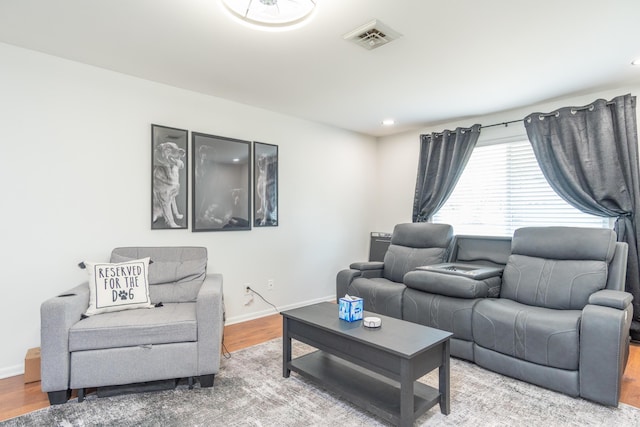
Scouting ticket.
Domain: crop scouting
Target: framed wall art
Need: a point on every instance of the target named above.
(169, 148)
(265, 185)
(221, 177)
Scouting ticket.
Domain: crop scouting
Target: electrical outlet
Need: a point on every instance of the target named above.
(270, 284)
(248, 294)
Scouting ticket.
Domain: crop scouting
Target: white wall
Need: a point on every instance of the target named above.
(75, 172)
(398, 154)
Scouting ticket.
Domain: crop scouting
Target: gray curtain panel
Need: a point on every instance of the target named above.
(443, 157)
(589, 155)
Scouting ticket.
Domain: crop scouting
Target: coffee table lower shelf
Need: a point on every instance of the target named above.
(370, 391)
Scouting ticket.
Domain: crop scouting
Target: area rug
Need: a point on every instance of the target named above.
(249, 390)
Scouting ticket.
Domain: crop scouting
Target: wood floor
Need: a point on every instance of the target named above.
(17, 398)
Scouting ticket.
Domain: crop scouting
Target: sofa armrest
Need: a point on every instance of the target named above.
(57, 315)
(370, 269)
(209, 314)
(367, 265)
(609, 298)
(604, 346)
(452, 285)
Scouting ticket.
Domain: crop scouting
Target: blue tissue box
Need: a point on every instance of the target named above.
(351, 309)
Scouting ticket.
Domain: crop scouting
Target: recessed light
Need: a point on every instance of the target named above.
(388, 122)
(635, 61)
(236, 160)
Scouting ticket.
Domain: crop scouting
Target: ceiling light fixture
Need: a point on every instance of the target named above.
(635, 61)
(388, 122)
(271, 14)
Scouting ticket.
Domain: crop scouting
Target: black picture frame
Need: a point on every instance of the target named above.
(221, 183)
(169, 178)
(265, 185)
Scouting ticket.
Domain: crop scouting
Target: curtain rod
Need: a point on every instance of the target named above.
(505, 124)
(555, 113)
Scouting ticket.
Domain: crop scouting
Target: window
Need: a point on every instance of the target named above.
(502, 189)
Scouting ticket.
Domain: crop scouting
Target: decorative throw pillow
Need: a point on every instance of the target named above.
(121, 286)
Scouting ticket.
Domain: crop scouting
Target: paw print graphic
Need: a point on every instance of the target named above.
(122, 295)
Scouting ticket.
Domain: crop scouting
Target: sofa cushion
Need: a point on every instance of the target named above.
(380, 295)
(176, 273)
(565, 243)
(118, 286)
(440, 312)
(171, 323)
(538, 335)
(413, 245)
(558, 284)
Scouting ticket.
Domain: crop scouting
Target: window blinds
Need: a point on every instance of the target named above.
(502, 189)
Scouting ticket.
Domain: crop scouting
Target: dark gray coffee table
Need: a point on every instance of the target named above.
(375, 369)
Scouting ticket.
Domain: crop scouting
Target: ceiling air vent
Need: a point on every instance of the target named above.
(372, 35)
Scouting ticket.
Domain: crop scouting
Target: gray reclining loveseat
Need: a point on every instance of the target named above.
(557, 316)
(179, 338)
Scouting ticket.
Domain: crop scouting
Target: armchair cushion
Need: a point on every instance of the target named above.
(171, 323)
(119, 286)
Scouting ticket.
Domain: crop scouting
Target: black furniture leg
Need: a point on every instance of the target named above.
(59, 397)
(81, 395)
(206, 380)
(286, 348)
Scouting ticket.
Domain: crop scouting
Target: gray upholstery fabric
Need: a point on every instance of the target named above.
(557, 267)
(562, 380)
(452, 285)
(380, 295)
(136, 364)
(484, 250)
(565, 243)
(604, 350)
(538, 335)
(613, 299)
(413, 245)
(210, 315)
(174, 277)
(559, 284)
(422, 235)
(57, 315)
(555, 324)
(173, 322)
(180, 339)
(438, 311)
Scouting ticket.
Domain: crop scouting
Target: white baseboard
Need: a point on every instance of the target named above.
(11, 371)
(271, 310)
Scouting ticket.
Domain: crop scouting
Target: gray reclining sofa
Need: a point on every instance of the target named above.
(180, 338)
(547, 307)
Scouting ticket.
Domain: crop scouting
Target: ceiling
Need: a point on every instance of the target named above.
(455, 59)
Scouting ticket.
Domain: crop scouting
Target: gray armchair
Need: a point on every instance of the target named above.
(380, 284)
(562, 319)
(180, 338)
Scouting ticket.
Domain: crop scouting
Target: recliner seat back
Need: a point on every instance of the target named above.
(557, 267)
(175, 273)
(413, 245)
